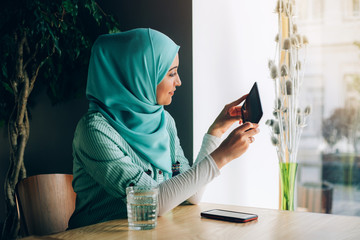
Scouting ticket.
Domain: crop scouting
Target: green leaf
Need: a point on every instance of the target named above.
(46, 17)
(4, 70)
(77, 52)
(7, 87)
(68, 6)
(94, 11)
(114, 30)
(64, 26)
(55, 39)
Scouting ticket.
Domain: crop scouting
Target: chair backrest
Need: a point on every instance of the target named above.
(46, 203)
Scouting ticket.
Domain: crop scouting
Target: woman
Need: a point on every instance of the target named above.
(127, 138)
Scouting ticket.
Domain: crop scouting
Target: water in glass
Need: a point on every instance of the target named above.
(142, 207)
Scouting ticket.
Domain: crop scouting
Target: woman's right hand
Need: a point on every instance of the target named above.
(235, 144)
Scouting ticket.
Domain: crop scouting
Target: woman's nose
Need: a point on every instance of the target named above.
(178, 81)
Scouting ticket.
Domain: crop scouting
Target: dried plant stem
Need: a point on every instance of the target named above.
(290, 120)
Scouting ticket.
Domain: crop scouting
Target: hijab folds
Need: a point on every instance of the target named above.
(124, 71)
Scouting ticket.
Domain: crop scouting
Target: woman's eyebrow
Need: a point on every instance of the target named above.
(172, 68)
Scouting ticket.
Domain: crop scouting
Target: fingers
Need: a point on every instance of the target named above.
(251, 132)
(237, 102)
(249, 128)
(234, 110)
(246, 132)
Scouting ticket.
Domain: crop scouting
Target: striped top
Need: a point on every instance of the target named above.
(104, 165)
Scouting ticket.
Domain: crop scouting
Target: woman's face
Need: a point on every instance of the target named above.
(166, 88)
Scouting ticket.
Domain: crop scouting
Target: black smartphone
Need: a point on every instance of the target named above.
(227, 215)
(251, 110)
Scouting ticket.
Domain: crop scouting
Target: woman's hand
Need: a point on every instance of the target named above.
(230, 114)
(235, 144)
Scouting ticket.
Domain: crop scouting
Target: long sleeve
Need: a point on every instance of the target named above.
(209, 144)
(181, 187)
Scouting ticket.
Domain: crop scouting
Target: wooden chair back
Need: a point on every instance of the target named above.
(46, 203)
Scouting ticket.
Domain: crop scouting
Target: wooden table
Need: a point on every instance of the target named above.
(184, 222)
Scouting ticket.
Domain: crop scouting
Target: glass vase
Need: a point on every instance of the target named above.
(287, 185)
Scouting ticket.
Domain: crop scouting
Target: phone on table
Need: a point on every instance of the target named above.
(227, 215)
(251, 110)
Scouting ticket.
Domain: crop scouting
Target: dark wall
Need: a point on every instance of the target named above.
(52, 127)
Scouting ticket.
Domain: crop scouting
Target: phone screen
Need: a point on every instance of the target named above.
(229, 215)
(252, 110)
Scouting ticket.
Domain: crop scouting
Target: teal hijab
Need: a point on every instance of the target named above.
(124, 71)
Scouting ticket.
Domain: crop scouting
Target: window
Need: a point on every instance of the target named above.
(310, 10)
(356, 7)
(329, 153)
(352, 8)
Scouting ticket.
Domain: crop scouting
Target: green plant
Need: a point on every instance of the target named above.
(343, 123)
(42, 42)
(330, 132)
(357, 43)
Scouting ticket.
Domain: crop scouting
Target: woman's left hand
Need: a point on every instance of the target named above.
(230, 114)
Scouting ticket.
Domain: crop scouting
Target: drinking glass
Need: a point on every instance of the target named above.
(142, 207)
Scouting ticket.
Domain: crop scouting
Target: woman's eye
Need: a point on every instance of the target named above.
(172, 74)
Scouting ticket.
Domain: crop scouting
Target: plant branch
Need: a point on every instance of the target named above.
(23, 97)
(20, 58)
(62, 16)
(101, 10)
(37, 69)
(23, 138)
(27, 47)
(32, 57)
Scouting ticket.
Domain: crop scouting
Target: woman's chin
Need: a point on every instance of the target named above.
(168, 102)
